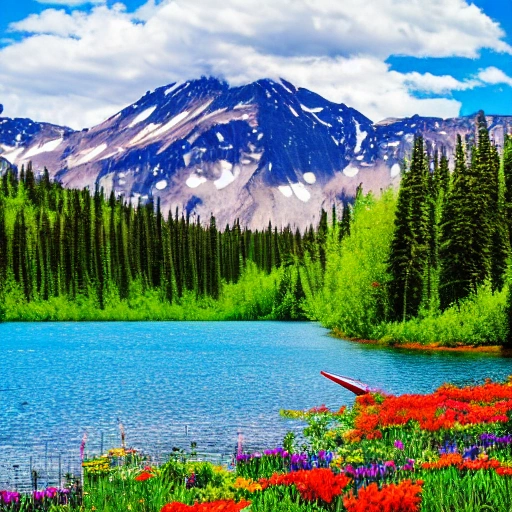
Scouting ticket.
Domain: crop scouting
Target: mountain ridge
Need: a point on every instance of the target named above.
(265, 150)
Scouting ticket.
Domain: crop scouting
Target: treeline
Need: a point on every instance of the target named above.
(451, 231)
(56, 242)
(429, 264)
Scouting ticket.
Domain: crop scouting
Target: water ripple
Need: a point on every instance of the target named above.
(173, 383)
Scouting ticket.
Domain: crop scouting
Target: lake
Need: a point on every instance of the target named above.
(173, 383)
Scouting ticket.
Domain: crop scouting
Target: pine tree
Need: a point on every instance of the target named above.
(408, 258)
(214, 266)
(507, 174)
(456, 249)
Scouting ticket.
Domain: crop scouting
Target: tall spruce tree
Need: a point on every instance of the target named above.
(409, 250)
(456, 251)
(507, 192)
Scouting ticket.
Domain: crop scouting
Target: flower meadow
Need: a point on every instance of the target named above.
(450, 450)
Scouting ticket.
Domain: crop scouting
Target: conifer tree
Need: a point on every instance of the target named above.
(409, 247)
(214, 269)
(456, 249)
(507, 174)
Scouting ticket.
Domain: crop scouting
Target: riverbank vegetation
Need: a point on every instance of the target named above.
(426, 264)
(448, 450)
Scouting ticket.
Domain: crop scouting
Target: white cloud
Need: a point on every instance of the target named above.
(78, 68)
(494, 75)
(436, 84)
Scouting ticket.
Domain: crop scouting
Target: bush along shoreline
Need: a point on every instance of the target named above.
(447, 450)
(428, 264)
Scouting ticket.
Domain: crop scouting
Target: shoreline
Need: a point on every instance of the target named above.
(430, 347)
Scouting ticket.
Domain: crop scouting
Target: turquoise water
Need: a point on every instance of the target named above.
(173, 383)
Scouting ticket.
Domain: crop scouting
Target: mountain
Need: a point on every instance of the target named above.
(267, 150)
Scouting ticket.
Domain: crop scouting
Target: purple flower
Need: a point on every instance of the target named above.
(82, 446)
(399, 444)
(491, 439)
(38, 495)
(409, 465)
(51, 492)
(9, 497)
(471, 453)
(448, 448)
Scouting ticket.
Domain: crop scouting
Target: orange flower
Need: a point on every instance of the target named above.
(445, 408)
(475, 465)
(144, 476)
(445, 461)
(213, 506)
(402, 497)
(247, 484)
(319, 484)
(504, 471)
(455, 459)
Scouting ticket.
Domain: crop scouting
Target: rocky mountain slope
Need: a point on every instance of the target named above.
(267, 150)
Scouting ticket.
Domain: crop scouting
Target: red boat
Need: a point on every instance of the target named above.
(356, 386)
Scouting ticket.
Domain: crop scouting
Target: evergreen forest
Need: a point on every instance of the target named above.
(427, 263)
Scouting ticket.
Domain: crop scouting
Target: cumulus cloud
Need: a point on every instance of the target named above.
(77, 68)
(494, 75)
(436, 84)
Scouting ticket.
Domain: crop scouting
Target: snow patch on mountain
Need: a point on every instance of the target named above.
(143, 134)
(350, 171)
(172, 88)
(395, 170)
(311, 110)
(360, 136)
(90, 155)
(171, 124)
(309, 177)
(286, 190)
(293, 111)
(300, 191)
(49, 146)
(142, 116)
(194, 180)
(225, 179)
(12, 155)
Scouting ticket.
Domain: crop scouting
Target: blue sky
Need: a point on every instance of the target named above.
(73, 62)
(493, 99)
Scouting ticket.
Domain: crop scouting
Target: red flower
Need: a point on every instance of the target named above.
(402, 497)
(213, 506)
(445, 408)
(504, 471)
(313, 485)
(445, 461)
(455, 459)
(144, 476)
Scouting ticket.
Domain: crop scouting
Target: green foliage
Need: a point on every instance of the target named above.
(409, 250)
(67, 255)
(477, 320)
(353, 297)
(426, 265)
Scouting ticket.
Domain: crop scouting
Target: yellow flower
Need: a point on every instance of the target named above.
(247, 484)
(117, 452)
